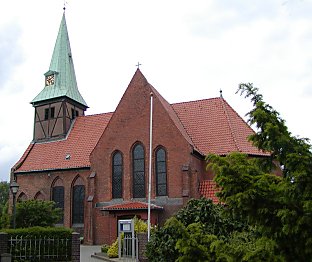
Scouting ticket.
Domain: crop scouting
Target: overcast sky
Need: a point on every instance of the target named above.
(189, 50)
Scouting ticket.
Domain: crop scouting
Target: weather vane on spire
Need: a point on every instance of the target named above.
(138, 65)
(64, 7)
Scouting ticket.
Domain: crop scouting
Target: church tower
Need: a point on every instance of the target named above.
(57, 105)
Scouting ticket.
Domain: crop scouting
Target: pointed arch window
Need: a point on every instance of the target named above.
(39, 196)
(78, 194)
(138, 171)
(22, 197)
(58, 197)
(161, 172)
(117, 171)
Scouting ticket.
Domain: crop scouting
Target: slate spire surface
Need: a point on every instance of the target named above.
(62, 68)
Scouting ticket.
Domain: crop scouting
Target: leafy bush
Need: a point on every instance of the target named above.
(161, 246)
(4, 203)
(104, 248)
(212, 216)
(245, 246)
(5, 216)
(140, 226)
(194, 245)
(36, 232)
(4, 193)
(191, 231)
(113, 250)
(31, 213)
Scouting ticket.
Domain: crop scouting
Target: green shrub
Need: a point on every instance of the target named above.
(5, 216)
(104, 248)
(31, 213)
(161, 246)
(113, 250)
(140, 226)
(36, 232)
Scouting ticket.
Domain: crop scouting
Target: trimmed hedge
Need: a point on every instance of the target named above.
(51, 243)
(35, 232)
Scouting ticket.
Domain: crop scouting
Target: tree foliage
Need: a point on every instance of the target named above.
(31, 213)
(5, 216)
(4, 199)
(4, 193)
(246, 246)
(194, 245)
(280, 207)
(212, 217)
(161, 246)
(265, 217)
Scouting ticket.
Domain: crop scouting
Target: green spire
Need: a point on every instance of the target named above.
(62, 71)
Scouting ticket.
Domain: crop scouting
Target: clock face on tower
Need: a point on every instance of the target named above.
(49, 80)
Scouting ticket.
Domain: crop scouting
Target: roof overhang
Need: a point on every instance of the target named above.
(16, 172)
(131, 206)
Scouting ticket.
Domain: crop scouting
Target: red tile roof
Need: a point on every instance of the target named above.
(210, 126)
(130, 206)
(208, 189)
(78, 145)
(214, 127)
(174, 117)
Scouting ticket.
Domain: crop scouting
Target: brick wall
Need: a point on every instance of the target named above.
(75, 247)
(3, 243)
(142, 239)
(31, 184)
(129, 125)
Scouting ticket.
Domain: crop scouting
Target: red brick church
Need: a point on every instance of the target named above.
(95, 167)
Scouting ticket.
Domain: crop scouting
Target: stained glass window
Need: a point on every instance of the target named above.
(58, 198)
(161, 172)
(78, 204)
(138, 171)
(117, 175)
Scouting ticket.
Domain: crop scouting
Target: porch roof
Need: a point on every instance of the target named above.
(130, 206)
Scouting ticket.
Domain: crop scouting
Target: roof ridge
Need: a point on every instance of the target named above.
(97, 114)
(230, 124)
(177, 122)
(20, 162)
(185, 129)
(193, 101)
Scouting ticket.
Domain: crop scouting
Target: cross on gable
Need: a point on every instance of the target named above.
(138, 65)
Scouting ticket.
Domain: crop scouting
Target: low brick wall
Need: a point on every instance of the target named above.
(142, 239)
(4, 248)
(3, 243)
(75, 247)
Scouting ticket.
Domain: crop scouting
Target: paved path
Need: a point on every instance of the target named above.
(87, 251)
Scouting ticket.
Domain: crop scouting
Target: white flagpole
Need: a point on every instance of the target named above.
(150, 171)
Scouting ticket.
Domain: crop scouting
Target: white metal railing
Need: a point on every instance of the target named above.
(40, 249)
(130, 247)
